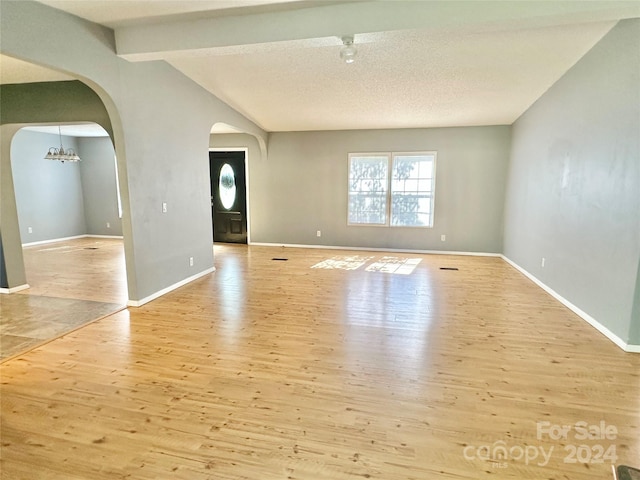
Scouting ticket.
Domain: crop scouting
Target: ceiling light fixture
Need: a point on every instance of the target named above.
(61, 154)
(348, 51)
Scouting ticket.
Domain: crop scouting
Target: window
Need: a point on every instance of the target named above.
(403, 198)
(368, 185)
(227, 186)
(412, 190)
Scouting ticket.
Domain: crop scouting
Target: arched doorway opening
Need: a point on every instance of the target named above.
(69, 213)
(57, 195)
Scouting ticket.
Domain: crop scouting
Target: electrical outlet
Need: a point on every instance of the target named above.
(30, 230)
(191, 261)
(543, 261)
(443, 238)
(108, 225)
(318, 233)
(164, 207)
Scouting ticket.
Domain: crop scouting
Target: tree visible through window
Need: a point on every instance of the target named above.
(368, 183)
(404, 198)
(412, 190)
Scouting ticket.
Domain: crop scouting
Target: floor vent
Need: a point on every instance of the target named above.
(448, 268)
(280, 259)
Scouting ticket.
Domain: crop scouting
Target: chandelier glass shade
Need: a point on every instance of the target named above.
(68, 155)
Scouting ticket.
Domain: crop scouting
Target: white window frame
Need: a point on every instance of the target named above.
(389, 193)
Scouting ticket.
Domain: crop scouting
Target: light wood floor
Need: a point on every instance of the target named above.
(270, 370)
(71, 284)
(83, 269)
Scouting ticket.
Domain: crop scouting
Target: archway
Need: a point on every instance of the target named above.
(40, 103)
(65, 208)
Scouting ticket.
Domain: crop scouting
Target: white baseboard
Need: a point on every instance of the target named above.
(139, 303)
(14, 289)
(582, 314)
(117, 237)
(375, 249)
(64, 239)
(52, 240)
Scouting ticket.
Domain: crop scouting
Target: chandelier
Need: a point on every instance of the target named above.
(61, 154)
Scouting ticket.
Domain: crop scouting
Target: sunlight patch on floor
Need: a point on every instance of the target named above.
(343, 262)
(396, 265)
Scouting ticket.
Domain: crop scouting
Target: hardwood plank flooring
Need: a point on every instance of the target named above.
(83, 269)
(275, 370)
(72, 283)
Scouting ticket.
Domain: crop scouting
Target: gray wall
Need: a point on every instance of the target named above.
(634, 331)
(99, 186)
(48, 193)
(302, 188)
(46, 102)
(59, 200)
(11, 261)
(574, 183)
(4, 283)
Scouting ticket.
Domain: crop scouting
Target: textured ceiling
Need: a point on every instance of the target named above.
(117, 13)
(399, 79)
(13, 70)
(420, 63)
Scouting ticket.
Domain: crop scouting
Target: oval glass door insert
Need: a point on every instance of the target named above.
(227, 186)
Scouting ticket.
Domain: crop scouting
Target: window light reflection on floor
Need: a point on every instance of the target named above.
(343, 262)
(396, 265)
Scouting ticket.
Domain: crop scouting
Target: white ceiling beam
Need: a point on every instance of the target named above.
(205, 35)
